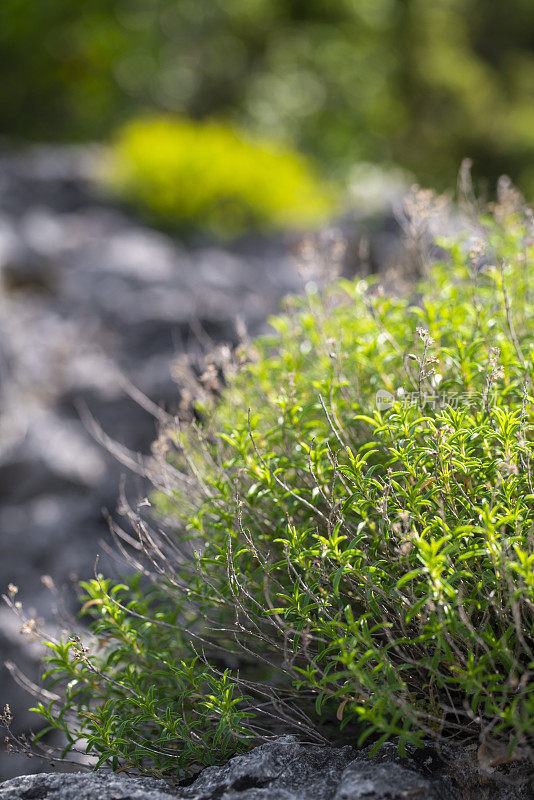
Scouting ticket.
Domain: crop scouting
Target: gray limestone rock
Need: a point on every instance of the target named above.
(372, 780)
(83, 786)
(280, 770)
(285, 769)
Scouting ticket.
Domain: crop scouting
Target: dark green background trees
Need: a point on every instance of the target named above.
(417, 83)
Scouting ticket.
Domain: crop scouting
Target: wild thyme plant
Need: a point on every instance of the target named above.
(345, 538)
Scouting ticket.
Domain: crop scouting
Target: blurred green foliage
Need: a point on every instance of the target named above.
(206, 174)
(417, 83)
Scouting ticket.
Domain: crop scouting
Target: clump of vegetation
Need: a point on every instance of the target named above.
(345, 538)
(210, 176)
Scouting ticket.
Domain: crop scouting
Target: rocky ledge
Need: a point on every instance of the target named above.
(288, 770)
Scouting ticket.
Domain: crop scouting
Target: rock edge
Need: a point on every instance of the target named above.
(286, 769)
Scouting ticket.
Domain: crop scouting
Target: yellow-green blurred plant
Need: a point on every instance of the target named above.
(209, 175)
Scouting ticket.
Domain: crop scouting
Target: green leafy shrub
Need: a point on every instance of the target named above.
(206, 174)
(345, 540)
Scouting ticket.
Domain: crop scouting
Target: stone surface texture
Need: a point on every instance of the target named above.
(287, 770)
